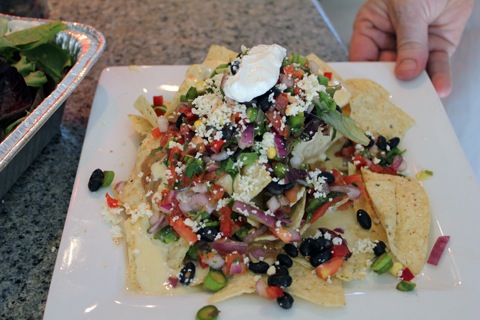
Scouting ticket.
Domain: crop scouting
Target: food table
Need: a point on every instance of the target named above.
(154, 32)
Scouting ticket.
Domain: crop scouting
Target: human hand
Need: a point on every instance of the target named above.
(417, 34)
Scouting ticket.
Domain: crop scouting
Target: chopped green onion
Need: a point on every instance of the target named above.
(383, 263)
(209, 312)
(406, 285)
(166, 235)
(108, 178)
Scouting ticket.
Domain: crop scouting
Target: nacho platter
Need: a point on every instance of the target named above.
(113, 271)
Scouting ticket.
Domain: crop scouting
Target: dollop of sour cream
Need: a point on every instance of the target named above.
(258, 72)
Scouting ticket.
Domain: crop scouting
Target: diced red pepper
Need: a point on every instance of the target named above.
(359, 161)
(323, 208)
(216, 145)
(174, 155)
(158, 100)
(340, 250)
(111, 202)
(283, 234)
(338, 178)
(227, 225)
(328, 75)
(187, 110)
(407, 274)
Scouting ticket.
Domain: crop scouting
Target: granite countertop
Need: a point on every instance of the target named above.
(153, 32)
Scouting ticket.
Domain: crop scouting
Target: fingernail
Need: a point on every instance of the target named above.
(407, 65)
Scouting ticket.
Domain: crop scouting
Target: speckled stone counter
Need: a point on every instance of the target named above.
(149, 32)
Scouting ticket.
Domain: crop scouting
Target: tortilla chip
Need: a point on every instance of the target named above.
(145, 108)
(298, 211)
(236, 286)
(377, 114)
(412, 219)
(141, 125)
(358, 85)
(218, 55)
(382, 194)
(176, 252)
(306, 285)
(341, 96)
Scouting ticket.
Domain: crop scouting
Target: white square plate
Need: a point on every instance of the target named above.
(89, 276)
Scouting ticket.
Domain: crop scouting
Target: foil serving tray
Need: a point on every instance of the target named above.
(22, 145)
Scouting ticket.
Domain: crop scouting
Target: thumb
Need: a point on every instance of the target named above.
(412, 41)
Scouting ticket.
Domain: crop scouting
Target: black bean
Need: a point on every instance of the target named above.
(379, 248)
(338, 108)
(382, 143)
(286, 301)
(277, 188)
(234, 66)
(321, 244)
(96, 180)
(364, 219)
(321, 257)
(306, 247)
(291, 250)
(280, 280)
(371, 142)
(284, 260)
(280, 269)
(258, 267)
(187, 274)
(393, 143)
(208, 233)
(179, 121)
(227, 132)
(328, 177)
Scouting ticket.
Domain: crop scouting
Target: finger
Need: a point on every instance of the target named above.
(440, 72)
(412, 41)
(388, 55)
(363, 48)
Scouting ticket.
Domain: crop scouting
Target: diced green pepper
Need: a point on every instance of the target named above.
(248, 158)
(191, 94)
(406, 286)
(209, 312)
(297, 120)
(108, 178)
(383, 263)
(166, 235)
(252, 114)
(280, 169)
(215, 280)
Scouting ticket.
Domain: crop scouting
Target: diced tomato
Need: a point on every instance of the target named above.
(338, 178)
(340, 250)
(291, 70)
(274, 292)
(227, 225)
(156, 134)
(111, 202)
(328, 75)
(292, 193)
(216, 192)
(187, 110)
(275, 119)
(284, 234)
(353, 179)
(281, 102)
(359, 161)
(232, 259)
(184, 231)
(158, 100)
(389, 170)
(348, 151)
(375, 167)
(216, 145)
(175, 154)
(166, 138)
(184, 129)
(323, 208)
(329, 268)
(407, 274)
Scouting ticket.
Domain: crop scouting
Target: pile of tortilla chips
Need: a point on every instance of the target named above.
(398, 205)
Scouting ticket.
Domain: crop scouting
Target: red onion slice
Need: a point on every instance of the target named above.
(252, 235)
(437, 250)
(254, 213)
(247, 137)
(225, 246)
(351, 191)
(279, 145)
